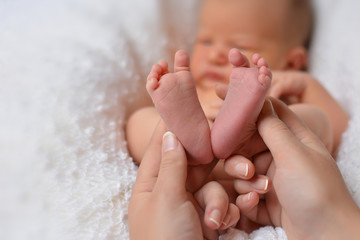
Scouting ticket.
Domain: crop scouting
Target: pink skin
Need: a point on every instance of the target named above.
(175, 98)
(236, 121)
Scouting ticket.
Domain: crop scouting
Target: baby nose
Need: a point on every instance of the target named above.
(218, 55)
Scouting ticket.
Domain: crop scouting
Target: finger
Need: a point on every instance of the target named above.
(275, 132)
(253, 208)
(247, 202)
(197, 175)
(262, 162)
(150, 164)
(213, 198)
(207, 232)
(287, 133)
(295, 124)
(164, 66)
(231, 218)
(181, 61)
(172, 173)
(238, 166)
(259, 183)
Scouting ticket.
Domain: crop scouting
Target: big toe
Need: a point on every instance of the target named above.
(181, 61)
(237, 59)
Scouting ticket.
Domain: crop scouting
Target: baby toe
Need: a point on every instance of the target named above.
(164, 66)
(262, 62)
(237, 59)
(265, 71)
(181, 61)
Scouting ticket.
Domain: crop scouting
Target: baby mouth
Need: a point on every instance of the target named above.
(214, 77)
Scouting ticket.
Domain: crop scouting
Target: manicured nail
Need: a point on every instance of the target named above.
(245, 198)
(215, 217)
(170, 141)
(242, 169)
(262, 184)
(271, 107)
(266, 185)
(248, 197)
(226, 220)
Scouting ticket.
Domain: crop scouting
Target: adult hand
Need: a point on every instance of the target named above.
(162, 208)
(310, 199)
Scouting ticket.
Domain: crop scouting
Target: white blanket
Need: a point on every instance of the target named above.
(72, 70)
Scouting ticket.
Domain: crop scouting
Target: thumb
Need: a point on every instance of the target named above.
(280, 140)
(173, 167)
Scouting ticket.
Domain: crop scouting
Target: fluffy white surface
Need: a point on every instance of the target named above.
(70, 72)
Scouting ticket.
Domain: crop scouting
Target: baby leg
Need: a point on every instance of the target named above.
(175, 98)
(248, 88)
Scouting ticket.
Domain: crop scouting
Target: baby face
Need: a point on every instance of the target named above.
(249, 25)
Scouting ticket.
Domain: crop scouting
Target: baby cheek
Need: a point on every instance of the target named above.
(194, 68)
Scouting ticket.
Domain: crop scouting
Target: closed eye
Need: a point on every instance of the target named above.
(240, 47)
(204, 41)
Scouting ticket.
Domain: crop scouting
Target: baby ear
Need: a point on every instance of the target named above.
(297, 59)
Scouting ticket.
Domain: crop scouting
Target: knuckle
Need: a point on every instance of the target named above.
(171, 160)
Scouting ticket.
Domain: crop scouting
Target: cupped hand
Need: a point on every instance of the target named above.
(309, 197)
(162, 208)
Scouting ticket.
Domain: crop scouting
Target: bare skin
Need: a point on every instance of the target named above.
(159, 194)
(236, 121)
(323, 208)
(175, 98)
(142, 124)
(257, 31)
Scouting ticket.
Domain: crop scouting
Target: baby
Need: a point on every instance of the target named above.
(279, 30)
(231, 32)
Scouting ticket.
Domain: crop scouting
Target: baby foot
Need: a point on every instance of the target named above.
(236, 121)
(175, 98)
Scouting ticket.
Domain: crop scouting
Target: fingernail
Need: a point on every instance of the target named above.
(266, 184)
(215, 217)
(170, 141)
(248, 197)
(271, 107)
(242, 169)
(245, 198)
(226, 220)
(268, 109)
(262, 184)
